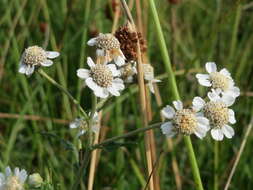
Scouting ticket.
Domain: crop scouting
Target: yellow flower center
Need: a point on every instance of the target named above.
(13, 183)
(34, 55)
(102, 75)
(185, 121)
(107, 42)
(219, 81)
(217, 113)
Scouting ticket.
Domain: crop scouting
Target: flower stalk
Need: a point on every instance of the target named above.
(173, 86)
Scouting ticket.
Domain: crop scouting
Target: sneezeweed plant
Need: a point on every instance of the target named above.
(82, 125)
(103, 79)
(108, 48)
(35, 56)
(186, 121)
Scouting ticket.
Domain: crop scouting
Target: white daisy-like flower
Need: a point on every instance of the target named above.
(103, 79)
(35, 56)
(82, 125)
(218, 113)
(148, 71)
(183, 120)
(108, 46)
(128, 71)
(220, 81)
(13, 180)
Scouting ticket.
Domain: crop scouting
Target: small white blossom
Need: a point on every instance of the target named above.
(13, 180)
(82, 125)
(128, 71)
(220, 81)
(185, 121)
(108, 46)
(103, 79)
(148, 71)
(35, 180)
(35, 56)
(218, 113)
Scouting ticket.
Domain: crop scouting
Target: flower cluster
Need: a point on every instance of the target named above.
(213, 114)
(17, 180)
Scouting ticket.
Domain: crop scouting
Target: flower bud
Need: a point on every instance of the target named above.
(35, 180)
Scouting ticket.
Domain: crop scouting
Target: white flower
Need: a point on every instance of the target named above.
(128, 71)
(220, 81)
(148, 71)
(218, 113)
(35, 180)
(35, 56)
(12, 180)
(102, 79)
(82, 125)
(185, 121)
(108, 46)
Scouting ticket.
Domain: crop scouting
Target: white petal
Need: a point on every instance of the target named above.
(228, 99)
(228, 131)
(52, 54)
(119, 60)
(203, 121)
(92, 85)
(198, 103)
(231, 116)
(213, 96)
(22, 176)
(168, 112)
(16, 171)
(29, 70)
(217, 134)
(22, 68)
(167, 129)
(200, 132)
(225, 72)
(102, 93)
(114, 70)
(74, 124)
(83, 73)
(151, 87)
(92, 42)
(90, 62)
(2, 179)
(118, 83)
(47, 63)
(234, 92)
(178, 105)
(8, 172)
(100, 52)
(211, 67)
(113, 90)
(203, 79)
(80, 133)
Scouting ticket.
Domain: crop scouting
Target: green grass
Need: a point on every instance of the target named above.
(204, 31)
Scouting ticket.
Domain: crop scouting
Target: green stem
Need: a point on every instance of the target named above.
(61, 88)
(216, 162)
(173, 86)
(108, 141)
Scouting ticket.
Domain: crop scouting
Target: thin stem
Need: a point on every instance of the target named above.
(93, 110)
(216, 162)
(173, 86)
(113, 139)
(245, 138)
(61, 88)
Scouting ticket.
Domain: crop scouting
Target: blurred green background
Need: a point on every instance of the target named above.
(34, 115)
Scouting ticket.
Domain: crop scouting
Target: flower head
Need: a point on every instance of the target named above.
(218, 113)
(148, 71)
(82, 125)
(35, 180)
(108, 47)
(128, 71)
(102, 79)
(13, 180)
(35, 56)
(183, 120)
(220, 81)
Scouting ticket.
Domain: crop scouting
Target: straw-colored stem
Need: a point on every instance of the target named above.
(216, 162)
(245, 138)
(141, 85)
(173, 87)
(62, 89)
